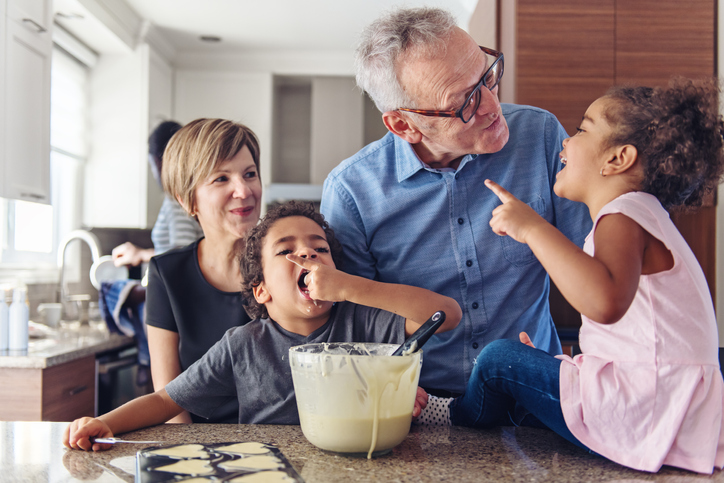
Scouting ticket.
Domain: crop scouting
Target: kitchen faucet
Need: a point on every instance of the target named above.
(95, 249)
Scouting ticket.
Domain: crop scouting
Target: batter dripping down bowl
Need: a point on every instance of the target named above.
(354, 397)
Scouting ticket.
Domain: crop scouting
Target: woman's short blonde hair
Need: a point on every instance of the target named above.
(196, 150)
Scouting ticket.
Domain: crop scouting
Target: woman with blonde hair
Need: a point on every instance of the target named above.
(211, 166)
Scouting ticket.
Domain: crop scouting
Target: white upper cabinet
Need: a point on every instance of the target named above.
(25, 156)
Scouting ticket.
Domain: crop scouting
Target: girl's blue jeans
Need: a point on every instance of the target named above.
(510, 383)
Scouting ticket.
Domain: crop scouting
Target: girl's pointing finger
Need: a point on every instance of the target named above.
(499, 191)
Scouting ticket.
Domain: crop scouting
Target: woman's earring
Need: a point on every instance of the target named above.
(602, 173)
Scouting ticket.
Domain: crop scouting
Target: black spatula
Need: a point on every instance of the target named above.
(422, 334)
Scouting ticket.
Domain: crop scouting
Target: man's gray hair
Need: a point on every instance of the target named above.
(386, 39)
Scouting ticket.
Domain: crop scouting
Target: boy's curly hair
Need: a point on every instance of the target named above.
(251, 267)
(677, 131)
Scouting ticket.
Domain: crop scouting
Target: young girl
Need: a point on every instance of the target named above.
(647, 390)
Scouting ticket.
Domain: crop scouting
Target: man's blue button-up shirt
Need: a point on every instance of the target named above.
(403, 222)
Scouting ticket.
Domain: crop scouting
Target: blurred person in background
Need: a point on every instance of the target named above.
(174, 227)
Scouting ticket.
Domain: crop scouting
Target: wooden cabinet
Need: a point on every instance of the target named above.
(569, 52)
(564, 56)
(656, 39)
(59, 393)
(25, 153)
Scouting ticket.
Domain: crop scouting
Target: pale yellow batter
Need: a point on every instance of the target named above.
(187, 467)
(182, 451)
(252, 463)
(243, 448)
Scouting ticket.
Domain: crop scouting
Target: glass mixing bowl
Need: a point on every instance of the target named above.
(354, 397)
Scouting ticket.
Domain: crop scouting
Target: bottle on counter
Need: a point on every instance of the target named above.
(18, 320)
(4, 320)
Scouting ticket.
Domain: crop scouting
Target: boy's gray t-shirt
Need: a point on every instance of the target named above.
(251, 362)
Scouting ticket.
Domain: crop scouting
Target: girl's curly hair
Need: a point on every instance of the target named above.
(251, 266)
(677, 131)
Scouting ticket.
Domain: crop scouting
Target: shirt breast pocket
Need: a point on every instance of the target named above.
(516, 253)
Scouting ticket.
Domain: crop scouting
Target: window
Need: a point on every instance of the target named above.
(30, 232)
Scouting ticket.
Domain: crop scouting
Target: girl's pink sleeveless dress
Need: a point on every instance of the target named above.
(647, 390)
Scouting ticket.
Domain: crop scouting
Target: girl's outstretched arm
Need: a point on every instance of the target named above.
(601, 287)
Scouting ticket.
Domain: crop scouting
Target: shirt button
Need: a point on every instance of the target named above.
(475, 305)
(457, 175)
(460, 221)
(469, 263)
(475, 345)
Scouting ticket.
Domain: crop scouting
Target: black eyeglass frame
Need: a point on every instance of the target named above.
(459, 112)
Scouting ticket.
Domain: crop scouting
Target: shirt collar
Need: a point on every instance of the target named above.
(406, 159)
(408, 163)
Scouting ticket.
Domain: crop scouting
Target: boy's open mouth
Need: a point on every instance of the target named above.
(302, 283)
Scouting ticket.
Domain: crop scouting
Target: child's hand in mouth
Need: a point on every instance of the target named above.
(318, 281)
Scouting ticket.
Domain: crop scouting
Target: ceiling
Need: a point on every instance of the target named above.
(274, 24)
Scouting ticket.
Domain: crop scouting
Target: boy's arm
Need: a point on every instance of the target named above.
(148, 410)
(414, 303)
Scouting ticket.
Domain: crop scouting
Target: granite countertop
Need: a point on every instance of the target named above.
(59, 346)
(32, 452)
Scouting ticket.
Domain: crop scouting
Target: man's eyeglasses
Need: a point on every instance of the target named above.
(490, 80)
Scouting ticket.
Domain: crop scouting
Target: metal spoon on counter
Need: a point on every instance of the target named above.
(421, 335)
(116, 440)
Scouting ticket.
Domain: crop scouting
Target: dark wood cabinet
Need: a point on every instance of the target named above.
(62, 392)
(565, 55)
(656, 39)
(569, 52)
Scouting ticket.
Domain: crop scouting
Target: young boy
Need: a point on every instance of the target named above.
(297, 295)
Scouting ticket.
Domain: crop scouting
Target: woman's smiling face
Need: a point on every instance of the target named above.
(228, 202)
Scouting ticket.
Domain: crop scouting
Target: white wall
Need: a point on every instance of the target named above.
(240, 87)
(331, 62)
(160, 108)
(337, 124)
(483, 27)
(116, 173)
(244, 97)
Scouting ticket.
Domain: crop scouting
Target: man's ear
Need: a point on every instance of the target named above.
(400, 125)
(261, 294)
(625, 158)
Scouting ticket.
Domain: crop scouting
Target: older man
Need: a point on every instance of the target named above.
(412, 208)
